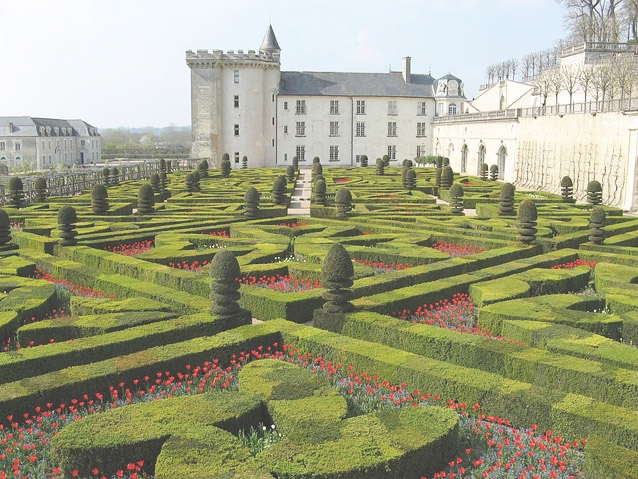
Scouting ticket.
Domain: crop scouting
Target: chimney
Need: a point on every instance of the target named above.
(10, 127)
(407, 64)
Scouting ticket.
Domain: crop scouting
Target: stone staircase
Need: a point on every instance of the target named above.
(300, 199)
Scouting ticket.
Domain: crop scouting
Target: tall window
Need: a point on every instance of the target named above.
(236, 76)
(236, 130)
(3, 145)
(392, 107)
(300, 153)
(421, 108)
(451, 110)
(17, 146)
(334, 152)
(334, 128)
(361, 107)
(361, 129)
(301, 107)
(334, 107)
(392, 152)
(236, 157)
(420, 129)
(285, 129)
(285, 105)
(301, 129)
(392, 128)
(420, 150)
(236, 101)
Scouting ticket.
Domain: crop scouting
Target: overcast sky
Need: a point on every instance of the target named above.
(122, 62)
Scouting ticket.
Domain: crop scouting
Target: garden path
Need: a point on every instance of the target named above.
(300, 199)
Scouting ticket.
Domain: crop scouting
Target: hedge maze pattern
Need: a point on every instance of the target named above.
(466, 330)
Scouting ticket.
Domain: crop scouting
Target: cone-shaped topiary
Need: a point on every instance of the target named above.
(202, 169)
(456, 199)
(169, 166)
(316, 160)
(251, 203)
(99, 199)
(164, 184)
(386, 160)
(16, 192)
(4, 169)
(225, 165)
(162, 165)
(197, 178)
(319, 190)
(380, 167)
(244, 162)
(594, 193)
(317, 178)
(40, 187)
(5, 228)
(106, 176)
(596, 225)
(343, 202)
(364, 161)
(290, 173)
(224, 287)
(67, 218)
(438, 161)
(407, 163)
(156, 183)
(410, 180)
(189, 180)
(279, 190)
(145, 199)
(437, 176)
(527, 216)
(317, 169)
(493, 172)
(336, 277)
(447, 177)
(567, 189)
(445, 161)
(506, 203)
(114, 176)
(295, 163)
(404, 171)
(484, 171)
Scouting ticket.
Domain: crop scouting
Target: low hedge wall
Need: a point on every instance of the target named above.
(81, 306)
(606, 460)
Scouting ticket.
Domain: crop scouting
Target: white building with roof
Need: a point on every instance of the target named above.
(244, 105)
(47, 142)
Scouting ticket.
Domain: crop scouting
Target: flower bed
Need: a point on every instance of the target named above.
(575, 264)
(71, 288)
(295, 224)
(281, 283)
(381, 267)
(195, 266)
(456, 250)
(132, 249)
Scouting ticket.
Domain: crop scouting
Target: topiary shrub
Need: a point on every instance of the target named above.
(437, 176)
(106, 174)
(336, 277)
(445, 161)
(493, 172)
(16, 192)
(114, 176)
(169, 166)
(404, 171)
(162, 165)
(527, 216)
(202, 169)
(317, 178)
(145, 199)
(319, 190)
(189, 181)
(386, 160)
(164, 183)
(5, 228)
(447, 177)
(410, 180)
(279, 190)
(567, 189)
(156, 183)
(343, 202)
(506, 203)
(380, 167)
(316, 160)
(225, 165)
(295, 163)
(317, 169)
(594, 193)
(290, 173)
(196, 179)
(40, 187)
(484, 170)
(244, 162)
(438, 161)
(67, 219)
(224, 287)
(596, 225)
(456, 199)
(99, 199)
(251, 203)
(364, 161)
(4, 169)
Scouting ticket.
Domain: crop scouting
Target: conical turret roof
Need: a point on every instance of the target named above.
(270, 41)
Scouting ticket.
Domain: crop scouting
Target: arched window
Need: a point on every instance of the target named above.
(451, 109)
(450, 151)
(464, 152)
(437, 149)
(502, 106)
(480, 158)
(502, 156)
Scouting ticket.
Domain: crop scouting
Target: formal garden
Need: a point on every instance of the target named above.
(417, 324)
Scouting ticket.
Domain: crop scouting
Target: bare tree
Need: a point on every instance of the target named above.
(528, 65)
(555, 83)
(586, 80)
(630, 18)
(514, 66)
(593, 20)
(622, 70)
(570, 82)
(543, 85)
(602, 83)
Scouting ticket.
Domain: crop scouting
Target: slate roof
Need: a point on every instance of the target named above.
(29, 126)
(355, 84)
(270, 41)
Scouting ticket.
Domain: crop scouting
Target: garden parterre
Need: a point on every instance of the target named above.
(469, 354)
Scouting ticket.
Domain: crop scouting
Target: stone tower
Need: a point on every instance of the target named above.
(240, 88)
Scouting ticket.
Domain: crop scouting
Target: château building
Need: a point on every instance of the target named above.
(47, 142)
(244, 105)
